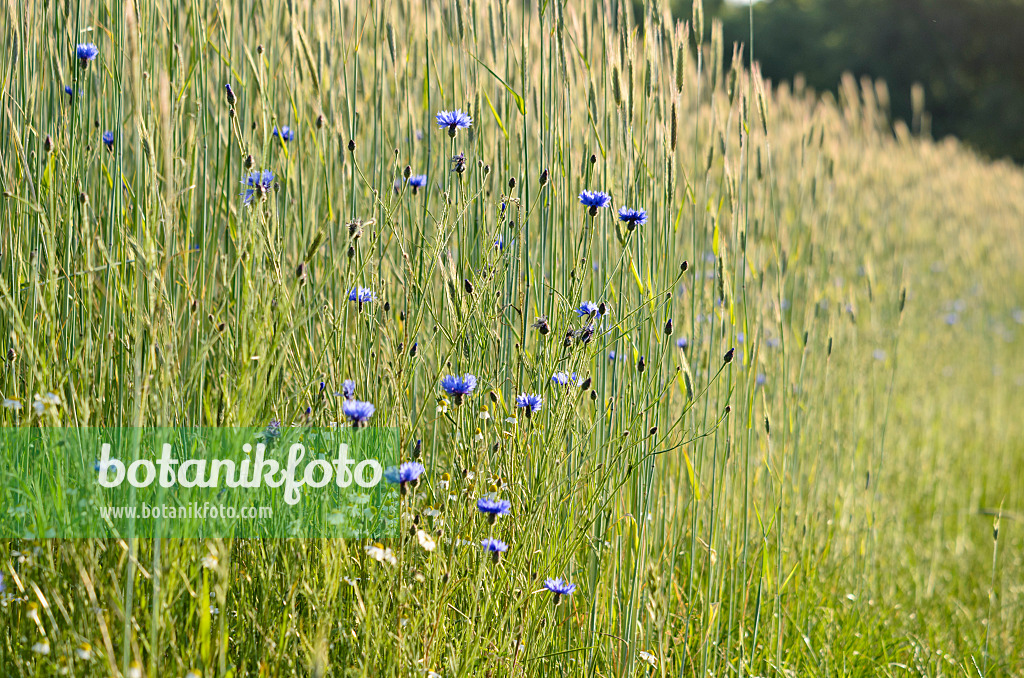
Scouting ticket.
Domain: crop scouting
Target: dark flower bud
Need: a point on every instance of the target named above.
(231, 112)
(683, 266)
(653, 431)
(387, 306)
(593, 395)
(415, 347)
(641, 365)
(542, 325)
(487, 170)
(220, 327)
(544, 178)
(512, 183)
(231, 95)
(729, 355)
(259, 49)
(593, 159)
(494, 397)
(468, 285)
(48, 143)
(586, 384)
(248, 162)
(407, 172)
(351, 251)
(320, 121)
(300, 272)
(668, 327)
(417, 449)
(351, 145)
(602, 309)
(83, 198)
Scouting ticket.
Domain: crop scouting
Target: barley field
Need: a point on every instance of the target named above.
(747, 362)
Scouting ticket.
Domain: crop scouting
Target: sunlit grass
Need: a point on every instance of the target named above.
(823, 503)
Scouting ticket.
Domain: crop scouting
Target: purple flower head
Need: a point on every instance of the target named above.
(493, 508)
(108, 140)
(273, 430)
(458, 387)
(348, 389)
(531, 402)
(285, 133)
(257, 183)
(559, 587)
(563, 378)
(495, 547)
(363, 295)
(417, 181)
(358, 411)
(595, 200)
(682, 342)
(86, 52)
(632, 217)
(589, 308)
(453, 121)
(408, 472)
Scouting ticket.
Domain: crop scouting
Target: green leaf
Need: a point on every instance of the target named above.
(520, 104)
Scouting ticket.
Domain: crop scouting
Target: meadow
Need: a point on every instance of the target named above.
(773, 427)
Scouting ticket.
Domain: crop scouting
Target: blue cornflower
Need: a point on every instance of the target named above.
(108, 140)
(559, 587)
(454, 121)
(417, 181)
(682, 342)
(760, 379)
(408, 472)
(2, 589)
(257, 183)
(632, 217)
(563, 378)
(363, 295)
(493, 508)
(285, 133)
(595, 200)
(358, 411)
(86, 52)
(348, 389)
(457, 387)
(531, 402)
(589, 308)
(499, 243)
(495, 547)
(273, 430)
(69, 91)
(611, 355)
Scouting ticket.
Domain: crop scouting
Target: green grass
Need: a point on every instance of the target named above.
(835, 520)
